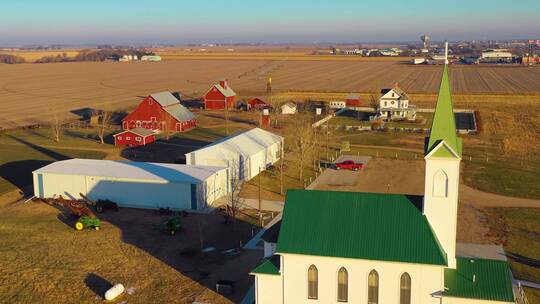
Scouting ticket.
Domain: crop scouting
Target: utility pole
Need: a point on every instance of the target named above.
(260, 202)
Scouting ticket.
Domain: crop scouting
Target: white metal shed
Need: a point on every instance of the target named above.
(133, 184)
(247, 153)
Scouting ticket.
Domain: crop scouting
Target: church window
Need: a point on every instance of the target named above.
(313, 282)
(343, 284)
(405, 289)
(373, 287)
(440, 184)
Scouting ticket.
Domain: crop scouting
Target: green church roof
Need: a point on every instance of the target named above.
(479, 279)
(443, 127)
(373, 226)
(268, 266)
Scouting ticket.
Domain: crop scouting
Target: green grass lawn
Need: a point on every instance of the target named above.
(519, 229)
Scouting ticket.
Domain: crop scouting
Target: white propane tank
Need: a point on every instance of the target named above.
(114, 292)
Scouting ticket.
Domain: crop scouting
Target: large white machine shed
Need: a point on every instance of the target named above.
(247, 153)
(133, 184)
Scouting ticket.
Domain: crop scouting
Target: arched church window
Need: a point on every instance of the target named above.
(405, 289)
(440, 184)
(373, 287)
(343, 285)
(313, 282)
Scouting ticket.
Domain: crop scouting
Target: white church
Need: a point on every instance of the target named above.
(375, 248)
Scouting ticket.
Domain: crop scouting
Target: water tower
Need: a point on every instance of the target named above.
(425, 40)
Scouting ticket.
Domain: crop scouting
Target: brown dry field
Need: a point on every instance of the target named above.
(30, 93)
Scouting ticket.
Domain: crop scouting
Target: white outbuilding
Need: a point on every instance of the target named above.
(246, 153)
(288, 108)
(133, 184)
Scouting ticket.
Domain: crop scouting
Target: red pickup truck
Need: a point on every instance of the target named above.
(349, 165)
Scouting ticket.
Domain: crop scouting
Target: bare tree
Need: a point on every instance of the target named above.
(56, 126)
(235, 185)
(104, 124)
(301, 134)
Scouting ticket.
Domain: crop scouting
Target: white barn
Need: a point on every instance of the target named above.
(133, 184)
(288, 108)
(247, 153)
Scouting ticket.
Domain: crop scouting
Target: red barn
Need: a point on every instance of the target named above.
(352, 100)
(160, 111)
(218, 94)
(134, 137)
(257, 104)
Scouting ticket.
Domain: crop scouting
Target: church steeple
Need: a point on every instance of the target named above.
(443, 157)
(443, 128)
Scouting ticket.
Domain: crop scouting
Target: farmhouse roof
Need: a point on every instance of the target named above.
(139, 131)
(245, 143)
(443, 128)
(160, 172)
(172, 105)
(484, 279)
(372, 226)
(165, 98)
(289, 104)
(227, 92)
(353, 96)
(397, 90)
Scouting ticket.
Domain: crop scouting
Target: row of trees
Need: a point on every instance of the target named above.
(11, 59)
(95, 55)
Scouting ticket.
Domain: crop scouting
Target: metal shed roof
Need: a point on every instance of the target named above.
(131, 170)
(139, 131)
(245, 143)
(165, 98)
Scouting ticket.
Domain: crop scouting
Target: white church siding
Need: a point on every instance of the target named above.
(426, 280)
(268, 289)
(441, 211)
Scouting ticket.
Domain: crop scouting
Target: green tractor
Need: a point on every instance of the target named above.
(172, 225)
(87, 222)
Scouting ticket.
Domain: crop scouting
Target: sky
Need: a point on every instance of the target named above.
(24, 22)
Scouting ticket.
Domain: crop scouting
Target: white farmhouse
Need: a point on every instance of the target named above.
(133, 184)
(379, 248)
(394, 105)
(338, 104)
(245, 154)
(288, 108)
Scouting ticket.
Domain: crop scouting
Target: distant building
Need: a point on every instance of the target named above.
(219, 95)
(288, 108)
(150, 58)
(257, 104)
(496, 55)
(133, 184)
(337, 104)
(134, 137)
(246, 153)
(160, 111)
(352, 100)
(419, 61)
(394, 105)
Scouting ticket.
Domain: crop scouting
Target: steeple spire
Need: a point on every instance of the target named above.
(443, 128)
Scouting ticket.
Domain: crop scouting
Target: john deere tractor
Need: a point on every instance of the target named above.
(87, 222)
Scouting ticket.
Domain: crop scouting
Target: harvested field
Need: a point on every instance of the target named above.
(30, 93)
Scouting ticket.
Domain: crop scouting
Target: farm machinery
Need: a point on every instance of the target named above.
(86, 218)
(171, 225)
(87, 222)
(101, 205)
